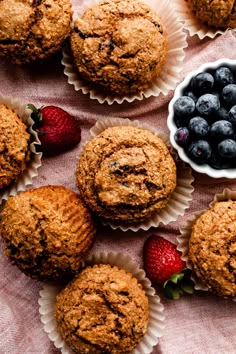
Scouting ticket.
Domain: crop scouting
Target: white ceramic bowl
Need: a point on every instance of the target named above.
(206, 169)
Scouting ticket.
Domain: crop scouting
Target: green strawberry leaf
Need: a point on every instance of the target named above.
(179, 284)
(176, 278)
(187, 286)
(172, 293)
(32, 108)
(36, 115)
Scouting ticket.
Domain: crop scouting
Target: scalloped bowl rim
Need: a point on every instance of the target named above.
(206, 169)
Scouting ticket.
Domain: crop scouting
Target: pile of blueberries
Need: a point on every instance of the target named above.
(206, 118)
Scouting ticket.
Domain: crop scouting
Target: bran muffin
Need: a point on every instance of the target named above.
(119, 46)
(46, 232)
(219, 14)
(14, 146)
(103, 310)
(212, 248)
(126, 174)
(33, 30)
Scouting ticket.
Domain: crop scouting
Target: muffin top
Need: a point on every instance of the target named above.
(216, 13)
(14, 146)
(46, 232)
(126, 174)
(212, 248)
(103, 310)
(119, 45)
(31, 30)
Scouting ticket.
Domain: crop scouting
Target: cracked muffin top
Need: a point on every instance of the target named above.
(103, 310)
(33, 29)
(126, 174)
(217, 13)
(46, 232)
(14, 146)
(119, 46)
(212, 248)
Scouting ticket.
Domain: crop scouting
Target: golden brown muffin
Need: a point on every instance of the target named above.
(217, 13)
(103, 310)
(32, 30)
(119, 45)
(126, 174)
(14, 146)
(47, 232)
(212, 248)
(232, 17)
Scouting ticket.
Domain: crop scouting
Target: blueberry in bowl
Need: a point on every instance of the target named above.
(202, 119)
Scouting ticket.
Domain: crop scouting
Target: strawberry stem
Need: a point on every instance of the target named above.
(178, 285)
(36, 115)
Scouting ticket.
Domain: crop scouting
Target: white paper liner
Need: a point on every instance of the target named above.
(169, 75)
(156, 322)
(35, 161)
(205, 168)
(183, 238)
(193, 24)
(181, 196)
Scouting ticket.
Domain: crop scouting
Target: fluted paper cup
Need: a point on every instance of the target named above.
(185, 233)
(192, 24)
(181, 196)
(163, 83)
(34, 163)
(156, 319)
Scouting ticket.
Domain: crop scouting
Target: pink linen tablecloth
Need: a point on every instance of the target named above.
(195, 324)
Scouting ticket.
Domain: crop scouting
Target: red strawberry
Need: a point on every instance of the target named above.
(164, 266)
(58, 130)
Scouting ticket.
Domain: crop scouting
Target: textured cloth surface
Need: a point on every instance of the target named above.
(198, 324)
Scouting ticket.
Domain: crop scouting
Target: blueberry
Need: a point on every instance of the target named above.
(227, 148)
(228, 95)
(181, 122)
(232, 115)
(190, 93)
(207, 104)
(184, 106)
(216, 93)
(198, 126)
(221, 129)
(223, 76)
(222, 114)
(182, 136)
(199, 151)
(218, 162)
(202, 83)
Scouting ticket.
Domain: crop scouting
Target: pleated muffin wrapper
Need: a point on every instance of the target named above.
(192, 24)
(156, 323)
(169, 75)
(180, 198)
(31, 171)
(185, 233)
